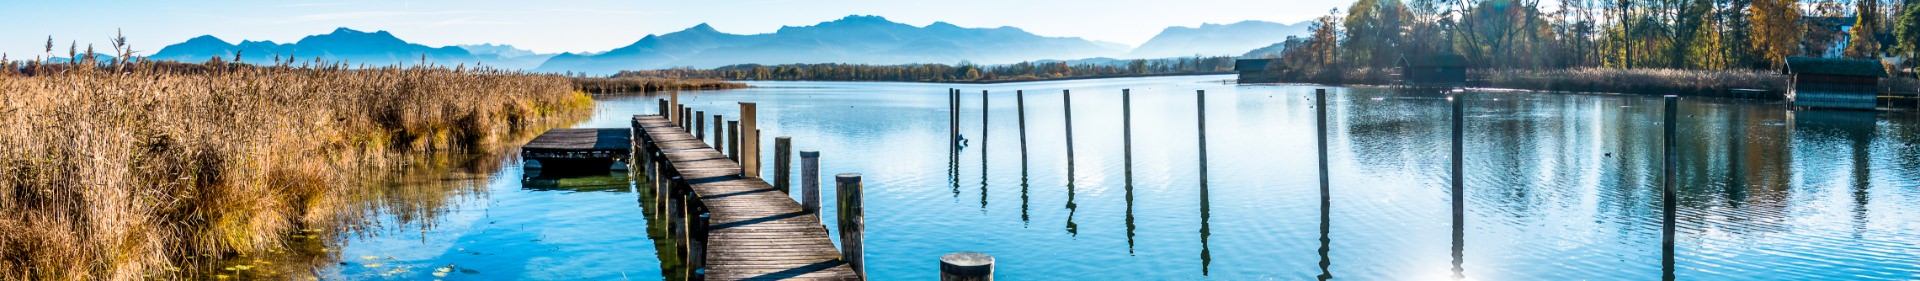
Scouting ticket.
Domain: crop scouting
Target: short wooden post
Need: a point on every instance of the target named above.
(783, 164)
(663, 111)
(718, 140)
(1066, 99)
(1667, 181)
(984, 109)
(810, 181)
(953, 121)
(1020, 105)
(686, 113)
(852, 221)
(1320, 113)
(750, 144)
(673, 104)
(699, 125)
(733, 140)
(966, 266)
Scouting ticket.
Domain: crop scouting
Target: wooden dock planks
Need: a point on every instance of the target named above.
(755, 232)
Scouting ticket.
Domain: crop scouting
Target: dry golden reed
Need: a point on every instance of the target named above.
(119, 171)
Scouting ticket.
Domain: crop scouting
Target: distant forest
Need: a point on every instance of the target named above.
(1622, 34)
(962, 72)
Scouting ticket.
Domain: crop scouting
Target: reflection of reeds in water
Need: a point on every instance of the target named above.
(124, 171)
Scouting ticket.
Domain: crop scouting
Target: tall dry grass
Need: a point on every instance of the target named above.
(121, 171)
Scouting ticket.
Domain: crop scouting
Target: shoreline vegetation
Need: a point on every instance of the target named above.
(650, 84)
(942, 73)
(114, 170)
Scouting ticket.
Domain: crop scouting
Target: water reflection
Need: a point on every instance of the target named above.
(1066, 98)
(1020, 104)
(1126, 124)
(1326, 186)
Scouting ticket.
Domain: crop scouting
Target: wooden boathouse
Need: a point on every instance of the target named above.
(1851, 84)
(1432, 71)
(1257, 70)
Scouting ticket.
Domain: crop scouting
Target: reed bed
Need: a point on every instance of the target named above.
(124, 171)
(1647, 81)
(650, 84)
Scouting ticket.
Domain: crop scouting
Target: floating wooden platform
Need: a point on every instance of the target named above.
(586, 143)
(754, 231)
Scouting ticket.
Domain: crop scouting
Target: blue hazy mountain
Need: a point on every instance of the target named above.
(506, 56)
(343, 45)
(1216, 39)
(854, 39)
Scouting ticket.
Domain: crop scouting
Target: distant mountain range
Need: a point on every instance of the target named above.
(1216, 39)
(853, 39)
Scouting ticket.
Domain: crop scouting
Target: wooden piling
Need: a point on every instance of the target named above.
(1066, 99)
(673, 103)
(966, 266)
(718, 139)
(699, 125)
(782, 163)
(810, 181)
(685, 115)
(733, 140)
(1667, 181)
(984, 109)
(750, 145)
(852, 221)
(1020, 105)
(953, 122)
(1126, 130)
(1200, 101)
(1320, 121)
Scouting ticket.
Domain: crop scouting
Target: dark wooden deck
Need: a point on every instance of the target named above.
(587, 143)
(755, 232)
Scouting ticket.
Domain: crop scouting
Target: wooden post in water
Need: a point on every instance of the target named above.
(1667, 182)
(953, 122)
(1459, 186)
(1020, 104)
(966, 266)
(983, 126)
(749, 145)
(664, 112)
(699, 125)
(1200, 101)
(1066, 99)
(718, 139)
(673, 103)
(685, 114)
(783, 164)
(852, 221)
(733, 140)
(1320, 111)
(810, 181)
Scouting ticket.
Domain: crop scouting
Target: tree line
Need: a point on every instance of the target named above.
(1627, 34)
(962, 72)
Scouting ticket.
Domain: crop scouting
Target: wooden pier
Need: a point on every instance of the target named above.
(587, 147)
(726, 226)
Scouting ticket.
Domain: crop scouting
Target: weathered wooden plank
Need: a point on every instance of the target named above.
(755, 232)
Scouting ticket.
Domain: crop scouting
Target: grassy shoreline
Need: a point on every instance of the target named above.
(1646, 81)
(129, 171)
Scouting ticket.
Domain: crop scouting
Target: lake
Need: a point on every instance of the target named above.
(1557, 187)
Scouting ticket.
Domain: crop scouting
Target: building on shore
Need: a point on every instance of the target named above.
(1834, 83)
(1436, 70)
(1257, 70)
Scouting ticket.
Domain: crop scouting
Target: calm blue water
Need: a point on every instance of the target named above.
(1558, 187)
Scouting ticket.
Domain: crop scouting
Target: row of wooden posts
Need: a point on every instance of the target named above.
(978, 266)
(686, 219)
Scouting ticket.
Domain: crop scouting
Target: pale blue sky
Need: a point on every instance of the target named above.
(590, 25)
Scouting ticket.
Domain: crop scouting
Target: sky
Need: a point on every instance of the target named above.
(588, 25)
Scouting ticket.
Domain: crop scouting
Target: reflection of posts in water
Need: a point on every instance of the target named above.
(1126, 140)
(953, 141)
(783, 164)
(1326, 197)
(985, 108)
(852, 221)
(1459, 186)
(1667, 178)
(810, 181)
(1206, 253)
(749, 144)
(1020, 105)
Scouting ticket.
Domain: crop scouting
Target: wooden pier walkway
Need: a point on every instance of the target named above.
(750, 231)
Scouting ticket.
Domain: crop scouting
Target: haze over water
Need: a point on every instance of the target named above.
(1558, 186)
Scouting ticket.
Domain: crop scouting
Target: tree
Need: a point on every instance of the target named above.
(1776, 31)
(1906, 31)
(1373, 32)
(1865, 43)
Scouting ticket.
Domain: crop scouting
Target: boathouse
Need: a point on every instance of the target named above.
(1257, 70)
(1440, 70)
(1834, 83)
